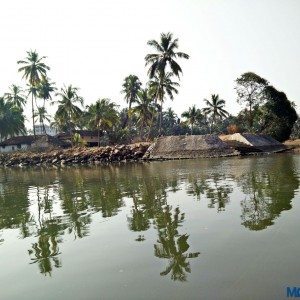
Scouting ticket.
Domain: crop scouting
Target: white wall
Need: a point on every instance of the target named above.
(13, 148)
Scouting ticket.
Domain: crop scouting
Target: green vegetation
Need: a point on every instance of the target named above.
(266, 110)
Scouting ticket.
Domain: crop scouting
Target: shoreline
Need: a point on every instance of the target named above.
(102, 156)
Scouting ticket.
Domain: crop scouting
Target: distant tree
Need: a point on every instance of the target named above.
(45, 89)
(278, 114)
(131, 87)
(11, 119)
(144, 110)
(33, 69)
(159, 88)
(43, 116)
(250, 89)
(16, 96)
(215, 108)
(68, 111)
(102, 115)
(192, 115)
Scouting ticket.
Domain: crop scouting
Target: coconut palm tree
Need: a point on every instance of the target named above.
(16, 96)
(215, 108)
(33, 69)
(192, 115)
(11, 119)
(68, 112)
(45, 89)
(102, 115)
(144, 110)
(166, 55)
(131, 87)
(160, 88)
(43, 116)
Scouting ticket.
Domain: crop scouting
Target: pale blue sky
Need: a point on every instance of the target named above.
(94, 44)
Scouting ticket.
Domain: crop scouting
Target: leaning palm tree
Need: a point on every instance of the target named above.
(192, 115)
(102, 115)
(160, 88)
(144, 110)
(215, 108)
(68, 112)
(131, 87)
(33, 69)
(16, 96)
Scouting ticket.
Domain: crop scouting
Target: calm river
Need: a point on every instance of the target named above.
(192, 229)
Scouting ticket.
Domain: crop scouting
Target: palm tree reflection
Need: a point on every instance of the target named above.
(171, 245)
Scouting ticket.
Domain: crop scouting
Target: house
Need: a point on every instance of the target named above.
(39, 130)
(90, 137)
(29, 142)
(44, 142)
(16, 143)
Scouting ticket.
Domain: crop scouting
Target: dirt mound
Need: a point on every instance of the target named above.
(254, 142)
(192, 146)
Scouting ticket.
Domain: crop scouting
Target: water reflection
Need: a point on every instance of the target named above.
(171, 245)
(48, 205)
(268, 190)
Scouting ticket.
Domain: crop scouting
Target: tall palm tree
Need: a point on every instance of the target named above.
(68, 112)
(11, 119)
(16, 96)
(215, 108)
(160, 88)
(166, 56)
(33, 69)
(102, 115)
(131, 87)
(192, 115)
(144, 110)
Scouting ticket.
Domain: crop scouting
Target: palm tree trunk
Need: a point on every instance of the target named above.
(98, 136)
(192, 125)
(160, 119)
(250, 116)
(32, 107)
(141, 131)
(128, 118)
(44, 129)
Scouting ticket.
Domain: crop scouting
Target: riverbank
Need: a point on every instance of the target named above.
(293, 145)
(76, 156)
(164, 148)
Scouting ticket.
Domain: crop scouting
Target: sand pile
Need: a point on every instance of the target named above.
(192, 146)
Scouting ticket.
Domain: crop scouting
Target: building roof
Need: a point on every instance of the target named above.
(17, 140)
(82, 133)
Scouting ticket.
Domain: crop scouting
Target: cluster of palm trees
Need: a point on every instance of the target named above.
(143, 118)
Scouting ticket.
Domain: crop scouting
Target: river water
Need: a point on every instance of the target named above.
(192, 229)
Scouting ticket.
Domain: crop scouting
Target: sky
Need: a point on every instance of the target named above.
(95, 44)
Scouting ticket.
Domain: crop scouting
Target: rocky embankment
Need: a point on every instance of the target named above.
(76, 156)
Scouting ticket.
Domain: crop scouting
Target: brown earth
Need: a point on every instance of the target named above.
(293, 145)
